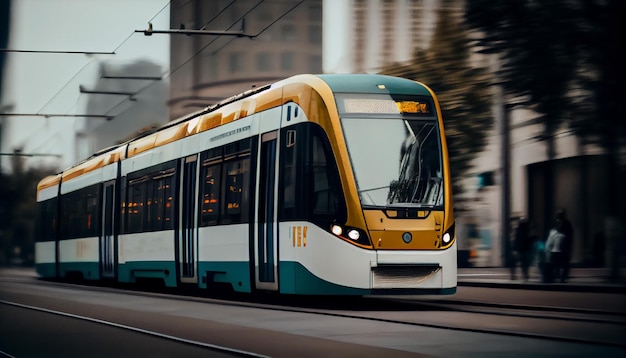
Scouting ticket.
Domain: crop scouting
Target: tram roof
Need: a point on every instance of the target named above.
(370, 83)
(231, 109)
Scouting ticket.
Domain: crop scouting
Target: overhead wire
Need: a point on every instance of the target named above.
(263, 30)
(168, 74)
(65, 85)
(212, 41)
(56, 94)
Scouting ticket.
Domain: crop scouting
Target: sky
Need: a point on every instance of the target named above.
(48, 83)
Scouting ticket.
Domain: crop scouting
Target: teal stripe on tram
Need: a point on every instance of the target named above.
(236, 273)
(296, 279)
(88, 270)
(46, 270)
(166, 270)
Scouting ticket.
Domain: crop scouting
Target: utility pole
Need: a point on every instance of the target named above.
(505, 175)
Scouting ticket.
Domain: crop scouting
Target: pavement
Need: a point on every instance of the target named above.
(598, 280)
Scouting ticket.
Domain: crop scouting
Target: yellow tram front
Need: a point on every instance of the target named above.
(388, 143)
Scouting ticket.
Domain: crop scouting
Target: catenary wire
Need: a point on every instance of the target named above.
(169, 73)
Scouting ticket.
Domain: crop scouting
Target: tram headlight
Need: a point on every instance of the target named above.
(448, 235)
(351, 234)
(354, 234)
(336, 229)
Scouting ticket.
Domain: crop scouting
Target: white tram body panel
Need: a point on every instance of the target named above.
(326, 257)
(152, 246)
(79, 250)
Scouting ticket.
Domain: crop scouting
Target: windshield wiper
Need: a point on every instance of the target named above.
(372, 189)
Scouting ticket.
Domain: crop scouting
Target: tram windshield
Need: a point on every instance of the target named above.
(395, 151)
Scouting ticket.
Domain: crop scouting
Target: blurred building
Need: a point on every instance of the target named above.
(206, 69)
(5, 21)
(365, 35)
(580, 189)
(134, 94)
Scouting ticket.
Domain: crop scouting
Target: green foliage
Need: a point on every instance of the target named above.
(566, 60)
(562, 57)
(463, 90)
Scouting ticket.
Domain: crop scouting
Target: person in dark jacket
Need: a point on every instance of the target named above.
(565, 227)
(523, 246)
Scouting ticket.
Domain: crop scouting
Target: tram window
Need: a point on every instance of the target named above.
(209, 206)
(80, 213)
(289, 180)
(324, 195)
(167, 202)
(150, 199)
(46, 226)
(225, 185)
(238, 148)
(311, 188)
(161, 201)
(151, 208)
(236, 179)
(134, 210)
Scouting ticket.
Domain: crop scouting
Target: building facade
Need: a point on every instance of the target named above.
(366, 35)
(287, 40)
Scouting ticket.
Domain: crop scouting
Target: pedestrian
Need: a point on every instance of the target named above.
(554, 251)
(523, 246)
(566, 246)
(540, 256)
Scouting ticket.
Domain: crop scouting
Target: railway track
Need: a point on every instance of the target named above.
(551, 323)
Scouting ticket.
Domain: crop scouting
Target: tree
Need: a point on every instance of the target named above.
(18, 192)
(563, 58)
(463, 90)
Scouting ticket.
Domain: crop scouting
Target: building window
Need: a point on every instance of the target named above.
(315, 13)
(237, 63)
(288, 32)
(315, 34)
(287, 61)
(315, 64)
(264, 62)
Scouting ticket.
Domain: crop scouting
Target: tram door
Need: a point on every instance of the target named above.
(107, 238)
(266, 236)
(187, 233)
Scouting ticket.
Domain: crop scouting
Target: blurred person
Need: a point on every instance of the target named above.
(523, 245)
(540, 256)
(567, 244)
(554, 251)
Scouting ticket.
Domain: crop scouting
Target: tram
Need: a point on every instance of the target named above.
(314, 185)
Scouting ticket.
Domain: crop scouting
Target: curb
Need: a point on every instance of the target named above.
(537, 286)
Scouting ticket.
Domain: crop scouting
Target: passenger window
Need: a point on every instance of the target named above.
(209, 212)
(225, 184)
(324, 194)
(80, 213)
(134, 207)
(236, 191)
(150, 199)
(310, 188)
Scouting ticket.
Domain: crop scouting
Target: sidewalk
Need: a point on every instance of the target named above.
(581, 280)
